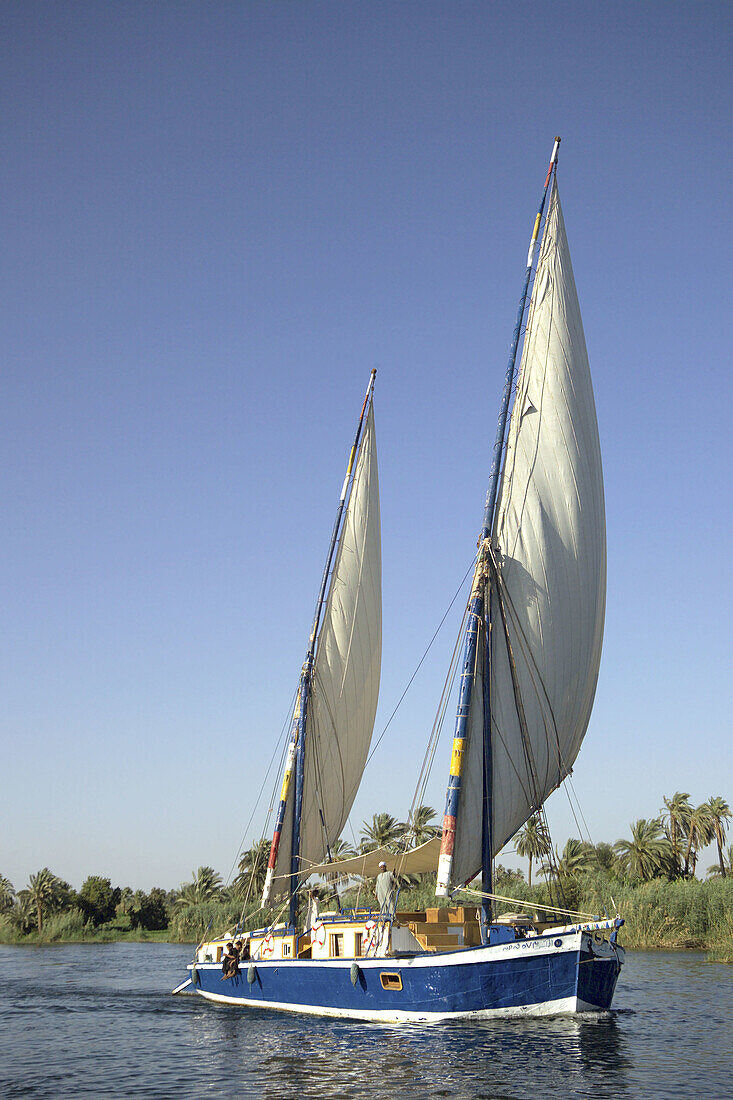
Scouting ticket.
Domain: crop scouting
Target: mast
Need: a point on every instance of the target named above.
(295, 760)
(478, 611)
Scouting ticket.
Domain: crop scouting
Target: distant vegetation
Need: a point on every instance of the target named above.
(48, 910)
(649, 878)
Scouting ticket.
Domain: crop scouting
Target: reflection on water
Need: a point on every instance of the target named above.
(99, 1021)
(505, 1059)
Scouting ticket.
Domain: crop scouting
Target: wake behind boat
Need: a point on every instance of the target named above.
(531, 653)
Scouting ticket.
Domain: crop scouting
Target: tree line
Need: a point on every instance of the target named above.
(97, 903)
(663, 847)
(666, 846)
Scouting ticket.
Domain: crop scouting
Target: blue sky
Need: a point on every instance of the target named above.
(217, 218)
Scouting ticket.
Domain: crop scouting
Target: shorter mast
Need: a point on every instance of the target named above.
(478, 611)
(295, 760)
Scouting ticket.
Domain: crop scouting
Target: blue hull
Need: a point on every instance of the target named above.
(533, 977)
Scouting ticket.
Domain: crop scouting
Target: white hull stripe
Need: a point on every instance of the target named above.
(562, 1006)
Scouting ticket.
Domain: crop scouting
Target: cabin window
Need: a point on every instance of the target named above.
(390, 981)
(286, 950)
(358, 939)
(336, 945)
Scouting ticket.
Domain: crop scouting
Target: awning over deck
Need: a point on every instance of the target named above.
(413, 862)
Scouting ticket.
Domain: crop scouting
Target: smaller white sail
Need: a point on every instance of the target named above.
(342, 701)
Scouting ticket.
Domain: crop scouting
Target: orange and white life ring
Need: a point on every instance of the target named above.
(268, 946)
(316, 931)
(370, 933)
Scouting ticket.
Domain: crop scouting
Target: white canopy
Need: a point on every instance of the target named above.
(414, 862)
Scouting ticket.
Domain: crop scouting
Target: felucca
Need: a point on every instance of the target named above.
(531, 653)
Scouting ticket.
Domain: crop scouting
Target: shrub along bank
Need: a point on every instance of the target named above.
(681, 914)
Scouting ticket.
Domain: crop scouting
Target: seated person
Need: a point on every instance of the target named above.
(230, 962)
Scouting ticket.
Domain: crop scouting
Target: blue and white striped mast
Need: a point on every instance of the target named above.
(295, 760)
(477, 610)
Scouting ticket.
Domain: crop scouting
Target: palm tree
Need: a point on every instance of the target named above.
(385, 831)
(43, 891)
(645, 855)
(252, 869)
(577, 857)
(604, 856)
(533, 841)
(343, 850)
(7, 894)
(206, 885)
(720, 812)
(126, 900)
(340, 850)
(677, 819)
(22, 913)
(727, 864)
(419, 827)
(700, 832)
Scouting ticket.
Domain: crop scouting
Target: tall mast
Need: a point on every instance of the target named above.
(295, 760)
(478, 610)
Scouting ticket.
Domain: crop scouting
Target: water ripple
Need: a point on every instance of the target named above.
(85, 1020)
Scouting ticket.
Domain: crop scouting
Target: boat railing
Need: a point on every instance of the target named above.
(349, 916)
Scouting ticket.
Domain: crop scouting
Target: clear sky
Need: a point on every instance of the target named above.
(216, 219)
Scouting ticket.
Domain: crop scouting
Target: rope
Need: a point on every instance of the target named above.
(420, 662)
(437, 725)
(568, 783)
(282, 738)
(264, 781)
(429, 758)
(528, 904)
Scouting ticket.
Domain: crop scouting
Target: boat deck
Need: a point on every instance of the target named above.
(364, 933)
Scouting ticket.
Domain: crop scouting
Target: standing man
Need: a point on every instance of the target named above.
(312, 912)
(387, 886)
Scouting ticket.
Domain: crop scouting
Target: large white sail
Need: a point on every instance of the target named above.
(345, 683)
(548, 584)
(550, 533)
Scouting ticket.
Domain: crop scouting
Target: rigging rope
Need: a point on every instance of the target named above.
(568, 784)
(466, 575)
(429, 757)
(528, 904)
(264, 781)
(434, 733)
(281, 738)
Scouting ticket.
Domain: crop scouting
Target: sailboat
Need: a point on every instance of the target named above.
(530, 657)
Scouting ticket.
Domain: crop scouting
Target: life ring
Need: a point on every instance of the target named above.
(268, 945)
(370, 932)
(316, 931)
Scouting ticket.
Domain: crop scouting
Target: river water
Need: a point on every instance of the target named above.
(98, 1020)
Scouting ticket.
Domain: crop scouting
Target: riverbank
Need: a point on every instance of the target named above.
(97, 935)
(659, 915)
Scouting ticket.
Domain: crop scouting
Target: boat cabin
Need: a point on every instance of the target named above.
(359, 933)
